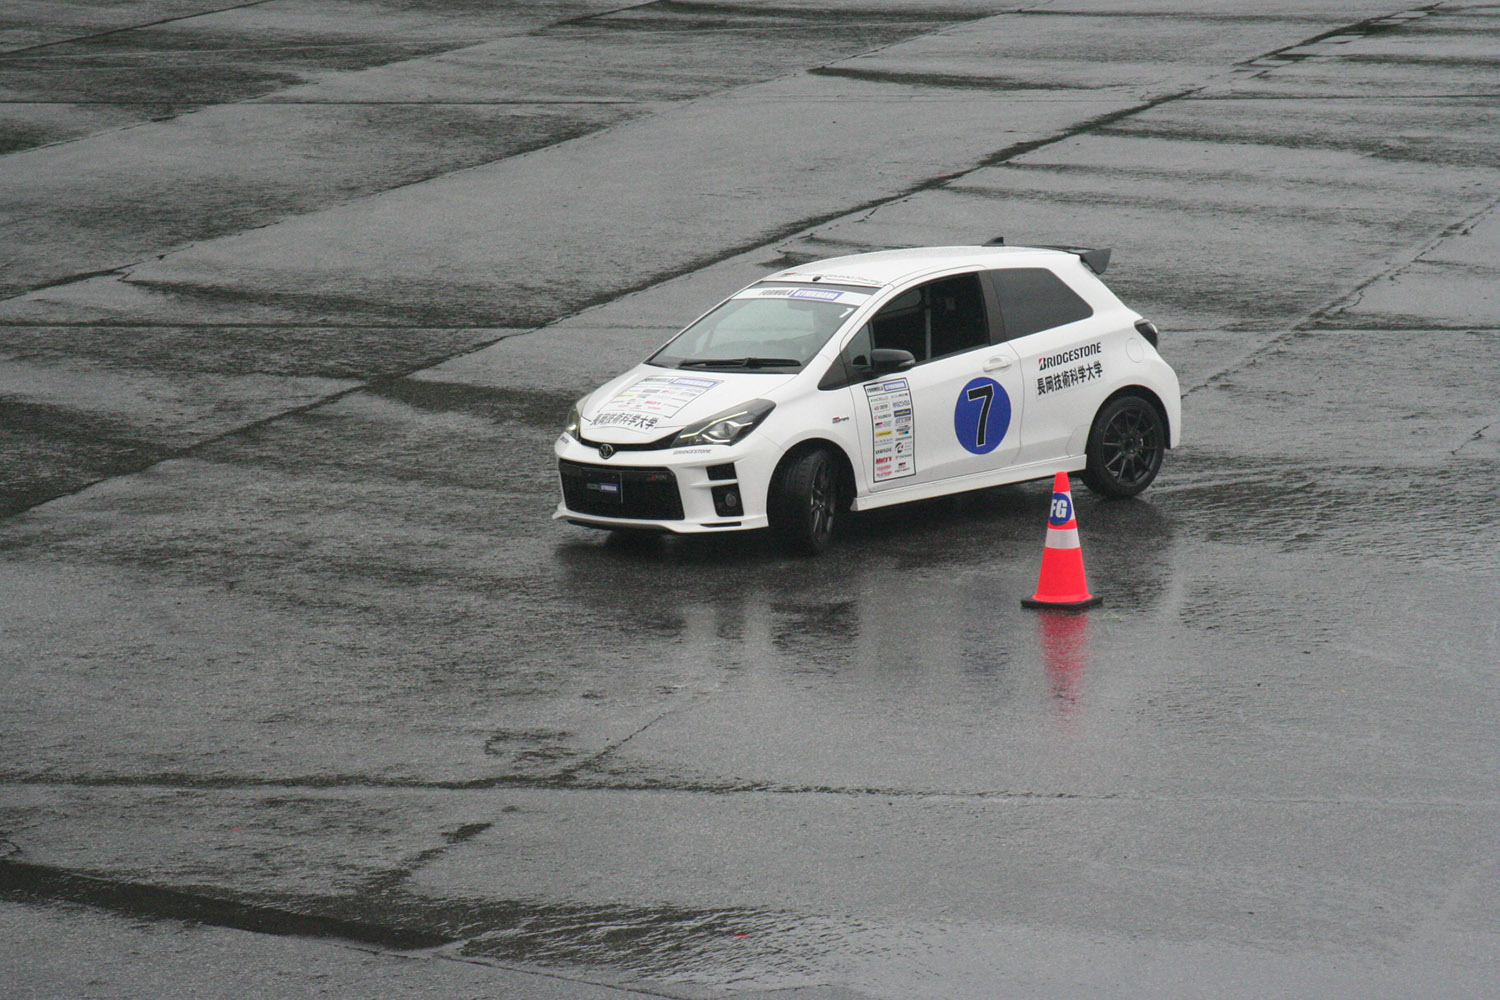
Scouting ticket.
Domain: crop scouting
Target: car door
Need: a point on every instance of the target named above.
(1061, 356)
(956, 411)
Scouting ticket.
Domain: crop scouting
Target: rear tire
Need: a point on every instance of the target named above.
(804, 500)
(1125, 447)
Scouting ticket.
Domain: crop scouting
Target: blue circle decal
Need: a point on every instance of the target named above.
(1062, 510)
(982, 415)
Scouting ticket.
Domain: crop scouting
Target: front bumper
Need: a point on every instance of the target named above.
(687, 490)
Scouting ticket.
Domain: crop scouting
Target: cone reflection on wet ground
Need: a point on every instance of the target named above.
(1063, 639)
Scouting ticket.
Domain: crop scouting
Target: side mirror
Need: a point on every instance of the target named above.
(884, 360)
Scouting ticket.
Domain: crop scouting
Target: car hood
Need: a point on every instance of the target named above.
(647, 402)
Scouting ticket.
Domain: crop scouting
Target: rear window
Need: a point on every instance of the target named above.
(1034, 299)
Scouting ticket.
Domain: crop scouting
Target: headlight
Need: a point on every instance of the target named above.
(727, 427)
(573, 422)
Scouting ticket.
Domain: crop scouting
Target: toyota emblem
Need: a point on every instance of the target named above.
(606, 450)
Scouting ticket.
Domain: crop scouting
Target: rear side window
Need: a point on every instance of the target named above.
(1033, 299)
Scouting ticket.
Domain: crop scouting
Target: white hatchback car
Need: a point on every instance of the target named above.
(874, 379)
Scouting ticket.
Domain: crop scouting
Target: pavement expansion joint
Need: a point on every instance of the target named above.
(95, 36)
(71, 279)
(1342, 35)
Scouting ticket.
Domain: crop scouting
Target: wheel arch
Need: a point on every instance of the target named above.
(847, 484)
(1150, 396)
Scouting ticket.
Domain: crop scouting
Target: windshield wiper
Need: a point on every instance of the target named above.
(740, 363)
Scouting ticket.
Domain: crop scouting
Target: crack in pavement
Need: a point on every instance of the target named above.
(1476, 436)
(387, 882)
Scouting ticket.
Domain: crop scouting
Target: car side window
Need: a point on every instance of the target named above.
(934, 320)
(1034, 299)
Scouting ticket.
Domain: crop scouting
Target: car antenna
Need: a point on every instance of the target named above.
(998, 241)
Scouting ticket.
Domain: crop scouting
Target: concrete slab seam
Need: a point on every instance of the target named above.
(135, 27)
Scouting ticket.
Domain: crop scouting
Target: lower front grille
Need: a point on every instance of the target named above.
(620, 491)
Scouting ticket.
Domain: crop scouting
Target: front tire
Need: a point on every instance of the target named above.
(1125, 448)
(803, 501)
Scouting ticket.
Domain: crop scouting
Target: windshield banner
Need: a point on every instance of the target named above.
(840, 296)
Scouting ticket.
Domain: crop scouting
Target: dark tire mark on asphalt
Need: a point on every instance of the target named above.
(49, 451)
(540, 409)
(389, 917)
(726, 13)
(948, 80)
(31, 883)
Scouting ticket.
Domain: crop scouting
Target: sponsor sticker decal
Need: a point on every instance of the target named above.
(1077, 353)
(645, 402)
(893, 439)
(1068, 378)
(635, 421)
(1079, 369)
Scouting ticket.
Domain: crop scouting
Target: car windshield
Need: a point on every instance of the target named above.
(776, 328)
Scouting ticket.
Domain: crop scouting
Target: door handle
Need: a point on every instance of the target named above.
(996, 364)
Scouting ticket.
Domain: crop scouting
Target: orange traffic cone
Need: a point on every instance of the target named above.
(1062, 586)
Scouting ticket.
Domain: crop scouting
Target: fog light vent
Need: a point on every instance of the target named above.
(718, 472)
(727, 501)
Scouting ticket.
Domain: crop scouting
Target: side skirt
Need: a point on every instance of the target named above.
(963, 484)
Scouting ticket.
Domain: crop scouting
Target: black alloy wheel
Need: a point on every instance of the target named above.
(1125, 447)
(804, 500)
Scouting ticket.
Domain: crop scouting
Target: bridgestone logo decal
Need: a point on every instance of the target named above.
(1086, 351)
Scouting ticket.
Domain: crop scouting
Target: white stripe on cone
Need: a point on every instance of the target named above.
(1062, 538)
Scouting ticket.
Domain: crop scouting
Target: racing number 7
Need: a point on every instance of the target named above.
(985, 392)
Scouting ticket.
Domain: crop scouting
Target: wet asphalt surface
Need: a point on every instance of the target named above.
(305, 694)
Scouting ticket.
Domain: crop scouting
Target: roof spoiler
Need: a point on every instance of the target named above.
(1097, 260)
